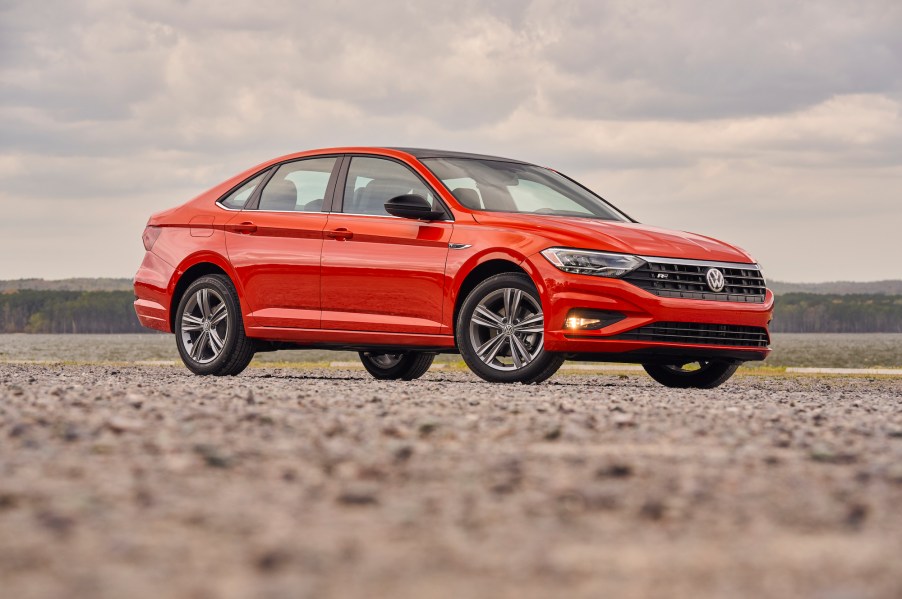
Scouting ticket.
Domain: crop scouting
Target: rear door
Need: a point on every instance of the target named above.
(382, 272)
(274, 244)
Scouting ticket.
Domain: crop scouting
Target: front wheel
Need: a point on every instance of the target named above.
(405, 366)
(501, 332)
(698, 375)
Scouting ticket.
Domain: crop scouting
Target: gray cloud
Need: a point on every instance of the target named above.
(706, 60)
(776, 125)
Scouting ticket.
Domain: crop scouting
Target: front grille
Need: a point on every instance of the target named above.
(698, 333)
(686, 280)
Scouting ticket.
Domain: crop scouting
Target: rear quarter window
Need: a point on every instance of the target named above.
(238, 198)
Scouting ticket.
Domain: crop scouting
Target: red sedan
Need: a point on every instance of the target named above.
(402, 253)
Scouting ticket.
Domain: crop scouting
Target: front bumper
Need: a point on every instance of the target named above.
(564, 292)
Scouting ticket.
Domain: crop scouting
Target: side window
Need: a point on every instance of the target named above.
(298, 186)
(374, 181)
(238, 198)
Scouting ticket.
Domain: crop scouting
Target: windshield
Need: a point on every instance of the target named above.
(499, 186)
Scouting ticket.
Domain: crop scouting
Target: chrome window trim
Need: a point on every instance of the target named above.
(257, 210)
(419, 220)
(709, 263)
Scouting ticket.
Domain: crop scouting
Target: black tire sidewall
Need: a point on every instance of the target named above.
(402, 370)
(713, 375)
(536, 370)
(224, 287)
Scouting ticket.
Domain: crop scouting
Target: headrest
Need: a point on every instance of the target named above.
(379, 191)
(314, 206)
(279, 195)
(468, 197)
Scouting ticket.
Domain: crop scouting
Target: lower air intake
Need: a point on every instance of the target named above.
(699, 334)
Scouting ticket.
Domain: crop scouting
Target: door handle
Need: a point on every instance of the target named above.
(243, 228)
(340, 234)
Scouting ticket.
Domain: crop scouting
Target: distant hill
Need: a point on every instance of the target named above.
(888, 287)
(79, 284)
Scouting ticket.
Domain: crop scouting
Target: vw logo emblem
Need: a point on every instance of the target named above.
(715, 279)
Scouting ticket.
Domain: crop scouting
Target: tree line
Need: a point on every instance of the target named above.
(39, 311)
(834, 313)
(56, 311)
(72, 284)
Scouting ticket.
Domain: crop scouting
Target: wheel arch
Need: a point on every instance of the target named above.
(481, 272)
(190, 271)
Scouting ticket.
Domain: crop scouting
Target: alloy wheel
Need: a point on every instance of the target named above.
(507, 329)
(385, 360)
(205, 325)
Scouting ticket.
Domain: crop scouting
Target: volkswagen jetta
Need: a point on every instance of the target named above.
(400, 254)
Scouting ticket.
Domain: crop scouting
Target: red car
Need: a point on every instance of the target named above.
(402, 253)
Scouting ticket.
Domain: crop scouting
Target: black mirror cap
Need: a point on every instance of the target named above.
(412, 206)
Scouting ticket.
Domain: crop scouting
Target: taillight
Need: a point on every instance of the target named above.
(150, 236)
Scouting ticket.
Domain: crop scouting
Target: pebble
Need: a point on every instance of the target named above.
(119, 424)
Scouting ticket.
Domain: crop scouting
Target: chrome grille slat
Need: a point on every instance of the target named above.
(687, 281)
(696, 333)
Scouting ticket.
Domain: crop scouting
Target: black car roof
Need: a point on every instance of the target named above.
(421, 153)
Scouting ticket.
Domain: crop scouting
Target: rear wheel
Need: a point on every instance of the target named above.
(699, 375)
(501, 331)
(405, 366)
(209, 331)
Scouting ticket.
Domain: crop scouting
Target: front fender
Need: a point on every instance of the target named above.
(461, 264)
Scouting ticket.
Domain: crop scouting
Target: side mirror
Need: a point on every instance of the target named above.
(412, 206)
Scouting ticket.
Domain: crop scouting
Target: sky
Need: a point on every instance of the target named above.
(773, 125)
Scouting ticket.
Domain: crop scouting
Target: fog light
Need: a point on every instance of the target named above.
(591, 320)
(577, 322)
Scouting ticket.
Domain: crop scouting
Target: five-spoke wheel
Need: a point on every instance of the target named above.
(500, 331)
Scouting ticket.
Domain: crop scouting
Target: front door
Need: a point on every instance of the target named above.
(381, 272)
(274, 244)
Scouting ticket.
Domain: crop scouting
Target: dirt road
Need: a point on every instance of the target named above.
(147, 482)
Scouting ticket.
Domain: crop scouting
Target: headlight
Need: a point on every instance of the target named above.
(589, 262)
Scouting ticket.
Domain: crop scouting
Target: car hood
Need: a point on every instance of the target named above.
(627, 238)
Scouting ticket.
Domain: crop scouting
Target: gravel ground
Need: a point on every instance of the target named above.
(148, 482)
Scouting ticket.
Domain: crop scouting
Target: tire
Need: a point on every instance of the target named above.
(707, 376)
(209, 330)
(405, 366)
(519, 355)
